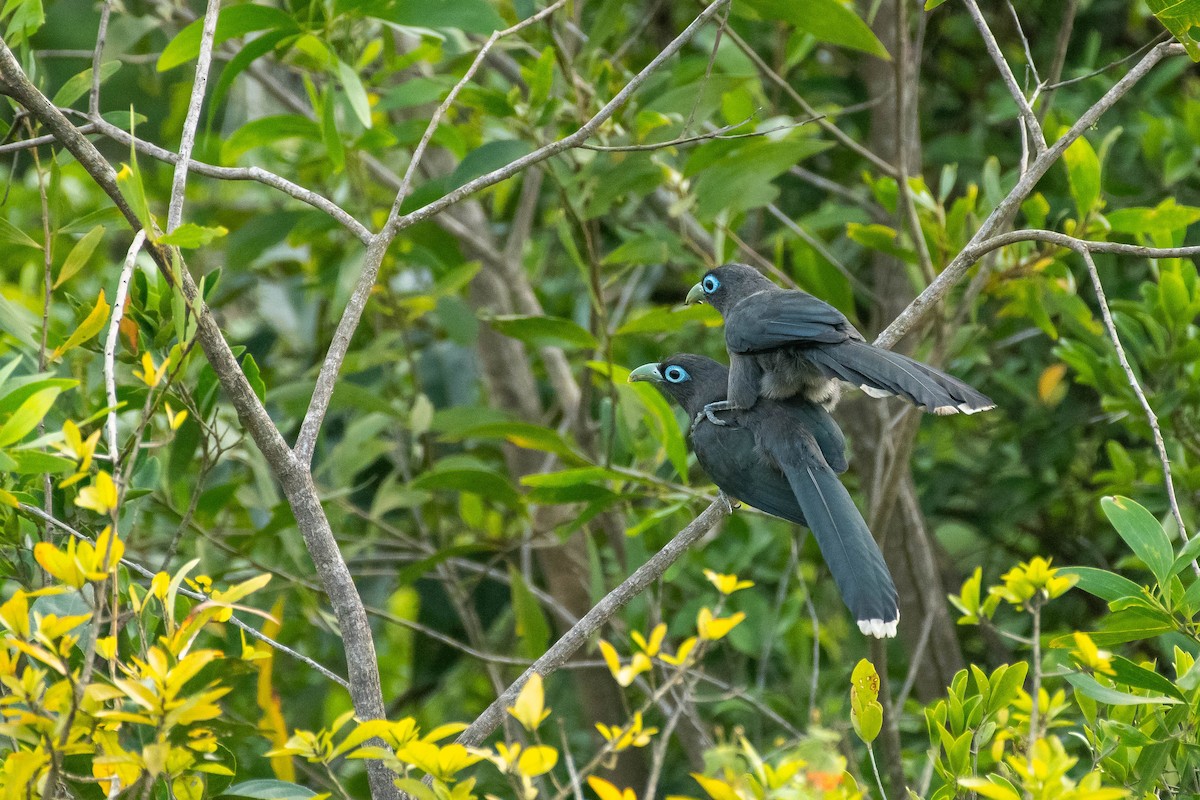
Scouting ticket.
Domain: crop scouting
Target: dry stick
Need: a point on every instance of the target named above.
(294, 477)
(614, 601)
(993, 47)
(192, 119)
(1085, 249)
(826, 125)
(37, 141)
(97, 55)
(149, 574)
(1060, 54)
(110, 349)
(922, 304)
(257, 174)
(327, 378)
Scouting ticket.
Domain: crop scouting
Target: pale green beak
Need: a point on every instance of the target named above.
(695, 295)
(646, 372)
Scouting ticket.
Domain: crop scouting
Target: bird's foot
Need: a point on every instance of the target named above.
(730, 503)
(711, 410)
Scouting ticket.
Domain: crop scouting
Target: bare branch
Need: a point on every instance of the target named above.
(37, 141)
(993, 47)
(110, 348)
(97, 56)
(257, 174)
(955, 270)
(554, 658)
(327, 378)
(188, 139)
(294, 477)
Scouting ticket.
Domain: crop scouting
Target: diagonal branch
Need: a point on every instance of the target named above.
(614, 601)
(993, 47)
(192, 119)
(1003, 213)
(293, 476)
(352, 315)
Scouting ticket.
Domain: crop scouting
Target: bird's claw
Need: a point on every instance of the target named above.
(730, 503)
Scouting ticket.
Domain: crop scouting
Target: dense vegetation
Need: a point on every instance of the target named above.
(365, 467)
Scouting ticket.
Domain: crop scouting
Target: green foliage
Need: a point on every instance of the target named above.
(487, 469)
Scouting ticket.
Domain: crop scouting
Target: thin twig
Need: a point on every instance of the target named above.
(954, 271)
(352, 314)
(188, 139)
(110, 349)
(36, 141)
(833, 130)
(257, 174)
(97, 56)
(719, 134)
(1010, 81)
(1151, 418)
(591, 622)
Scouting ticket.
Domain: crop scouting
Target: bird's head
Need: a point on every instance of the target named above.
(724, 287)
(693, 381)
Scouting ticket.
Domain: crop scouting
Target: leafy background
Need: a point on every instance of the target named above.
(487, 470)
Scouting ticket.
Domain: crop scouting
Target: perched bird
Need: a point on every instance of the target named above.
(786, 343)
(783, 457)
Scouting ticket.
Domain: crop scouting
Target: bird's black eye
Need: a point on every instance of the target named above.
(711, 284)
(676, 374)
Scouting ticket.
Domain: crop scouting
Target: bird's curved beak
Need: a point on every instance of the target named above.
(646, 372)
(695, 295)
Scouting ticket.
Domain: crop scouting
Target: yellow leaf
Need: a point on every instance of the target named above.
(91, 325)
(606, 791)
(529, 709)
(714, 628)
(717, 789)
(101, 496)
(63, 566)
(537, 760)
(1049, 386)
(726, 584)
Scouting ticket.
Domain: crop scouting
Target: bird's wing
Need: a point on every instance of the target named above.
(767, 320)
(817, 421)
(851, 552)
(731, 458)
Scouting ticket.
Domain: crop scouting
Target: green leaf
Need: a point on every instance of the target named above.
(79, 255)
(254, 377)
(234, 21)
(740, 178)
(521, 434)
(532, 630)
(11, 234)
(18, 323)
(1187, 554)
(78, 84)
(543, 331)
(827, 20)
(1083, 174)
(27, 416)
(1113, 697)
(329, 133)
(1005, 682)
(356, 93)
(486, 158)
(1132, 674)
(1103, 584)
(249, 53)
(475, 481)
(34, 462)
(668, 319)
(1181, 18)
(268, 131)
(269, 789)
(1143, 533)
(191, 235)
(470, 16)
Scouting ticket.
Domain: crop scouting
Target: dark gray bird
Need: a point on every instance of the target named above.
(784, 457)
(785, 343)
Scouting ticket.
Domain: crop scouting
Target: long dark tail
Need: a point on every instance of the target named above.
(853, 557)
(881, 372)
